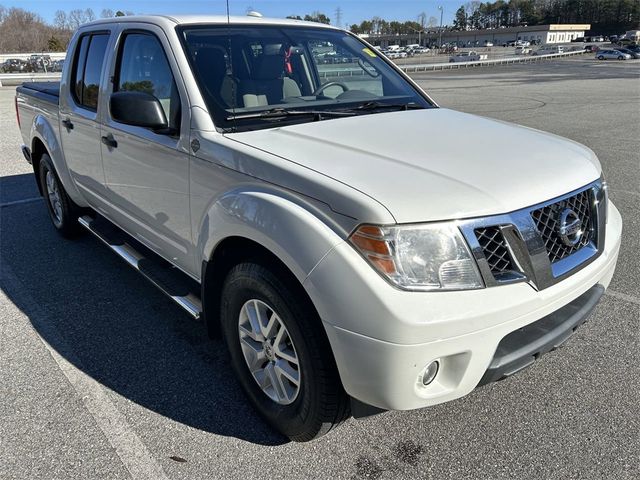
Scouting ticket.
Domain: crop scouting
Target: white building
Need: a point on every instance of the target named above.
(543, 34)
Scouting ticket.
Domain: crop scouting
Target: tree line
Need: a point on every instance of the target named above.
(24, 31)
(605, 16)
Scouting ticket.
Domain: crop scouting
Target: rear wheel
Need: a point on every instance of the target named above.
(600, 57)
(280, 352)
(62, 211)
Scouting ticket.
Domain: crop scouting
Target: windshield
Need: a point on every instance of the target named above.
(258, 76)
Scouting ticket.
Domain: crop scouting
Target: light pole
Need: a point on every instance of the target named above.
(419, 32)
(441, 13)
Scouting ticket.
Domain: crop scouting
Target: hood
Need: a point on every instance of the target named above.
(435, 164)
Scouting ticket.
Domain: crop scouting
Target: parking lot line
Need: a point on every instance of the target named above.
(20, 202)
(623, 296)
(125, 442)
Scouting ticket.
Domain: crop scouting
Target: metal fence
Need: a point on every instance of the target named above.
(350, 72)
(17, 78)
(488, 63)
(426, 67)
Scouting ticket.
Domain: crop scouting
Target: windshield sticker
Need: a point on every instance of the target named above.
(369, 52)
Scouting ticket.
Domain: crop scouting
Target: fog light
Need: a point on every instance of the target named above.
(430, 372)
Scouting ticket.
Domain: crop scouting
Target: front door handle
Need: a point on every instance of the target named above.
(109, 141)
(68, 124)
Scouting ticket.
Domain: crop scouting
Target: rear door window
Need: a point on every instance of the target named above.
(87, 69)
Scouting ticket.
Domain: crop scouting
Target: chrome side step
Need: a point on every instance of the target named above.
(149, 268)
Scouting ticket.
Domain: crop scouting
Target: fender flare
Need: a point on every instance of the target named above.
(297, 232)
(42, 130)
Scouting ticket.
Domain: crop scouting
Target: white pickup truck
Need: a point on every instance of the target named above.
(467, 57)
(347, 273)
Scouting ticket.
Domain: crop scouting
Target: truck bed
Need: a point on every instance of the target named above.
(46, 91)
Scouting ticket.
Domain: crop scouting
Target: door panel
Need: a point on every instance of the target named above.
(148, 184)
(147, 172)
(80, 129)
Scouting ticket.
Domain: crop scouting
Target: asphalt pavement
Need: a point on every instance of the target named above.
(101, 376)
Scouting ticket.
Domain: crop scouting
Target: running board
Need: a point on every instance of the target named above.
(157, 271)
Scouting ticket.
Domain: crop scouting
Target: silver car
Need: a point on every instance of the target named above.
(612, 55)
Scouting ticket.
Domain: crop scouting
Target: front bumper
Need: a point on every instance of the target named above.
(383, 338)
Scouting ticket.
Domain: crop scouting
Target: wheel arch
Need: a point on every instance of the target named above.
(228, 253)
(37, 150)
(269, 227)
(44, 140)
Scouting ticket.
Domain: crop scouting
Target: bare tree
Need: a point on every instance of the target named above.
(89, 16)
(22, 31)
(422, 18)
(107, 13)
(75, 18)
(433, 22)
(60, 20)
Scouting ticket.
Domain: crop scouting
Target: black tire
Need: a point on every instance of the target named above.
(67, 223)
(600, 57)
(620, 57)
(321, 403)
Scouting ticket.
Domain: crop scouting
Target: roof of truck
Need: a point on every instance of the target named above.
(207, 19)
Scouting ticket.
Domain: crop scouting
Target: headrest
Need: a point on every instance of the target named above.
(269, 67)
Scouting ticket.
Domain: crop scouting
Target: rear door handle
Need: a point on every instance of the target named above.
(68, 124)
(109, 141)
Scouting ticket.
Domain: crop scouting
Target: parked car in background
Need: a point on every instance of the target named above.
(628, 51)
(56, 66)
(549, 50)
(40, 63)
(634, 49)
(15, 65)
(626, 42)
(522, 43)
(522, 50)
(488, 44)
(612, 55)
(591, 48)
(467, 57)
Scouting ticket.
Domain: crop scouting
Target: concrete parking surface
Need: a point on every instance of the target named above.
(103, 377)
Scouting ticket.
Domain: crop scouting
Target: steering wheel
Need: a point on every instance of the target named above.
(322, 88)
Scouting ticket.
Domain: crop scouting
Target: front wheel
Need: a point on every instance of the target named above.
(620, 57)
(280, 352)
(62, 211)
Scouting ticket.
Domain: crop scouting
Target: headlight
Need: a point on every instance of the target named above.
(419, 257)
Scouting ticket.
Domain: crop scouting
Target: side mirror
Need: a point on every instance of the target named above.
(138, 108)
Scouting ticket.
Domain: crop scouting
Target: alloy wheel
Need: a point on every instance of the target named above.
(269, 352)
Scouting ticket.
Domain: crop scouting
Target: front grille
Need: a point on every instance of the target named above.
(495, 249)
(547, 221)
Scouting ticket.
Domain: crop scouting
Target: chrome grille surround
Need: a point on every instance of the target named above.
(532, 247)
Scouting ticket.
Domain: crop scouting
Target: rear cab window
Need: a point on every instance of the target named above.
(87, 69)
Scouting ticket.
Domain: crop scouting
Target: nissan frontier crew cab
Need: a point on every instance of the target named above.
(257, 186)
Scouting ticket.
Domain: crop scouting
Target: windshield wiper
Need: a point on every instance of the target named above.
(276, 113)
(375, 105)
